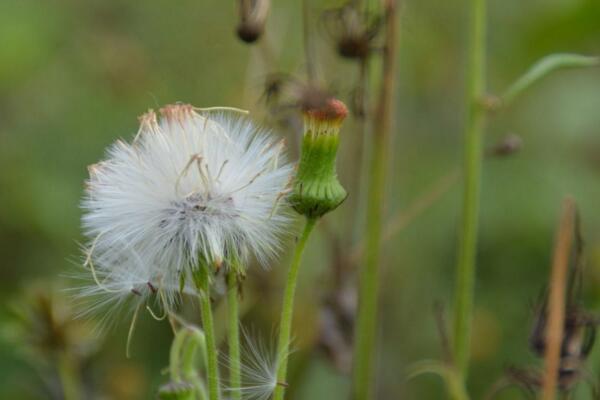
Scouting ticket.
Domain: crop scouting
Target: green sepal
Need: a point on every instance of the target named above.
(317, 190)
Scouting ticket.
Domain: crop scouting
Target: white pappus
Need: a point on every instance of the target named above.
(259, 364)
(192, 186)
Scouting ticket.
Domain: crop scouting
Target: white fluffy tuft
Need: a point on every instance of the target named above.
(259, 364)
(189, 186)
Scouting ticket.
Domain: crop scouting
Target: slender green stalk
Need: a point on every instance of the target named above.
(235, 380)
(366, 327)
(287, 310)
(212, 367)
(69, 377)
(369, 280)
(183, 359)
(174, 355)
(465, 271)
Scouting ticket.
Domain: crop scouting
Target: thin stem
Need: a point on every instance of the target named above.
(235, 380)
(362, 145)
(465, 271)
(287, 310)
(369, 275)
(174, 361)
(309, 51)
(69, 377)
(203, 285)
(556, 300)
(183, 361)
(196, 342)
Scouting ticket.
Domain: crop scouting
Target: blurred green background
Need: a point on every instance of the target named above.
(75, 74)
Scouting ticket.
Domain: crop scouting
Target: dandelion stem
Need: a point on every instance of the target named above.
(288, 308)
(369, 274)
(203, 285)
(69, 377)
(235, 380)
(473, 153)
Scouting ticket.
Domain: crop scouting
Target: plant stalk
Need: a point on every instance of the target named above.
(69, 377)
(366, 328)
(557, 299)
(473, 154)
(212, 367)
(309, 51)
(287, 310)
(235, 380)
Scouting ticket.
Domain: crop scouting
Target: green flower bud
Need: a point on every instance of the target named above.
(176, 391)
(316, 189)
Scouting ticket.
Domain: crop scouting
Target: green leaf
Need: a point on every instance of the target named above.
(545, 66)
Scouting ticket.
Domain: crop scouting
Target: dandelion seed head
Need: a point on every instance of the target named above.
(190, 187)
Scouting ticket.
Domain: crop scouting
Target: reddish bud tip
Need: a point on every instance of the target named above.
(333, 109)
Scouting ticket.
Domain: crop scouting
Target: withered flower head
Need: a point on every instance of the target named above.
(253, 16)
(352, 30)
(284, 91)
(44, 324)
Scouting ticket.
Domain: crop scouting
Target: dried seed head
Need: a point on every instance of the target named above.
(352, 30)
(253, 17)
(285, 95)
(317, 190)
(43, 323)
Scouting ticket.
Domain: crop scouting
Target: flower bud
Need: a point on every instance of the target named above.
(176, 391)
(317, 190)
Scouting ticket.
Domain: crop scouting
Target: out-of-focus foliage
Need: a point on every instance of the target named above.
(74, 75)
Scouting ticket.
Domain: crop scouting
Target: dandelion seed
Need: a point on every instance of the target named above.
(192, 186)
(259, 364)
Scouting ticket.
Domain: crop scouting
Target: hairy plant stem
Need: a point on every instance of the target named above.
(203, 284)
(285, 327)
(473, 154)
(366, 328)
(235, 380)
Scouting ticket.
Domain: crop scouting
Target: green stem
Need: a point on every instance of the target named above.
(366, 325)
(287, 310)
(174, 361)
(369, 277)
(475, 119)
(212, 367)
(183, 361)
(196, 343)
(69, 377)
(235, 380)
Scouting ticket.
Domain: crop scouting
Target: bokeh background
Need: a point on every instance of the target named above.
(75, 74)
